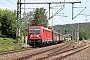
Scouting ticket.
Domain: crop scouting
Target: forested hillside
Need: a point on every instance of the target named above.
(71, 28)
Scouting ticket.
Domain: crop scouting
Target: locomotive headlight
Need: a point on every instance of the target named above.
(38, 36)
(31, 36)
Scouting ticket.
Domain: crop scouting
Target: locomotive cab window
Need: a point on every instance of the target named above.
(35, 31)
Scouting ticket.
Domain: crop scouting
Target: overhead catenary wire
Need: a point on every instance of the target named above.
(46, 1)
(57, 12)
(58, 8)
(11, 2)
(6, 5)
(79, 13)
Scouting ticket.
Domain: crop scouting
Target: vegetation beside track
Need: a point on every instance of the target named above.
(8, 44)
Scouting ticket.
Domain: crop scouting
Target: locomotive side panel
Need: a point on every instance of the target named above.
(48, 35)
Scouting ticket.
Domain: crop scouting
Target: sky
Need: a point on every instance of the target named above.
(63, 17)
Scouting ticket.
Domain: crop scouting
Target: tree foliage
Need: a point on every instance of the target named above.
(8, 23)
(37, 17)
(50, 27)
(83, 34)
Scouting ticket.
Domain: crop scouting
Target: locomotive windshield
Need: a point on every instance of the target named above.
(34, 31)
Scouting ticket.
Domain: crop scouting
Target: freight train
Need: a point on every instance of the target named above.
(40, 36)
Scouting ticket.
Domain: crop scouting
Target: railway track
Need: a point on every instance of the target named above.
(13, 51)
(9, 55)
(45, 53)
(50, 54)
(19, 54)
(53, 52)
(69, 53)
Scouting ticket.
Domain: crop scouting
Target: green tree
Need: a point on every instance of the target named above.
(83, 34)
(8, 23)
(39, 17)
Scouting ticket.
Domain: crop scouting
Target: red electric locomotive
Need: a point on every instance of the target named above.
(39, 36)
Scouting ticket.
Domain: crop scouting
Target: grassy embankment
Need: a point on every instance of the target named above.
(8, 44)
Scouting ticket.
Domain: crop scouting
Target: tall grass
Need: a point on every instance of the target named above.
(8, 44)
